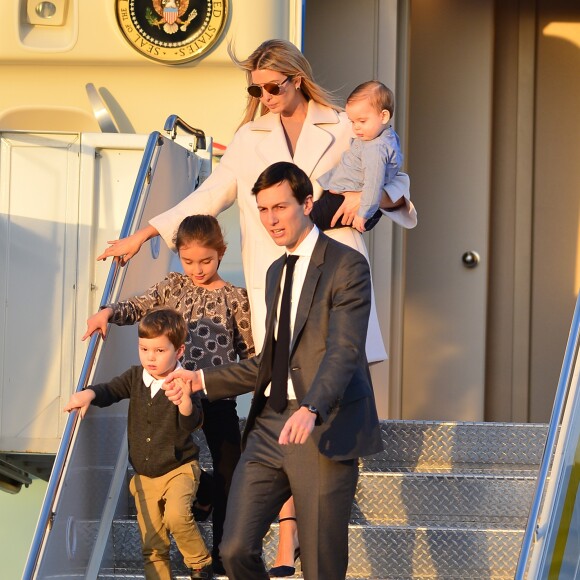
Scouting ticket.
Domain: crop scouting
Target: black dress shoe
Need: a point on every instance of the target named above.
(205, 573)
(218, 567)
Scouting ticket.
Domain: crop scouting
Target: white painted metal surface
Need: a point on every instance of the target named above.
(62, 196)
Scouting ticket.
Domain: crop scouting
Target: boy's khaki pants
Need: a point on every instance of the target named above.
(163, 508)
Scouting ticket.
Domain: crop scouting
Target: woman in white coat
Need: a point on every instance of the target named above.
(303, 126)
(299, 123)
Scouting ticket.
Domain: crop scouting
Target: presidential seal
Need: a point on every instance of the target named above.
(172, 31)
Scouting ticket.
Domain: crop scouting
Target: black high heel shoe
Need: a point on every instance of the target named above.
(285, 571)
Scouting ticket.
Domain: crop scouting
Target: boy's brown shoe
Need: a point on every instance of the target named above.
(205, 573)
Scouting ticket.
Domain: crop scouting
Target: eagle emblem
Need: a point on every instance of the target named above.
(172, 15)
(172, 31)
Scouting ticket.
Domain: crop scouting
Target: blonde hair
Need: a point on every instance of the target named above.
(283, 57)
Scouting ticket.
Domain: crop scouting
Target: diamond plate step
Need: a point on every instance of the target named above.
(422, 499)
(455, 446)
(442, 500)
(478, 501)
(448, 446)
(379, 552)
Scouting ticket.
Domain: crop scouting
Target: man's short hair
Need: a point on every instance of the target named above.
(276, 173)
(164, 322)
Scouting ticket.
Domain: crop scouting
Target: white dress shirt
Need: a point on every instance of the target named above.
(304, 253)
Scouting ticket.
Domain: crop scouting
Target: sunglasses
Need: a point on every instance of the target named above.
(272, 88)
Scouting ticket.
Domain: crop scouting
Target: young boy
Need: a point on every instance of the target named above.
(161, 449)
(373, 160)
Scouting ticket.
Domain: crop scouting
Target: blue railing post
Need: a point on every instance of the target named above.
(562, 395)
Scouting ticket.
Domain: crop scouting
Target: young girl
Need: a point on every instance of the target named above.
(218, 318)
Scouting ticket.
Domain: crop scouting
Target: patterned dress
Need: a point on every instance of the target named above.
(218, 320)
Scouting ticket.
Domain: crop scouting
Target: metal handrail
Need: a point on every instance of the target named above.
(58, 470)
(174, 121)
(555, 421)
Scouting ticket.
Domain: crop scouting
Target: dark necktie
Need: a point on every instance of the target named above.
(279, 389)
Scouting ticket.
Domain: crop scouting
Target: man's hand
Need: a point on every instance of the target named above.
(182, 381)
(81, 401)
(348, 209)
(179, 393)
(98, 323)
(298, 428)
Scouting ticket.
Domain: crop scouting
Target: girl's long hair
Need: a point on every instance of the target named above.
(201, 229)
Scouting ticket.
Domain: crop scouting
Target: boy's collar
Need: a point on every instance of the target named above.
(149, 379)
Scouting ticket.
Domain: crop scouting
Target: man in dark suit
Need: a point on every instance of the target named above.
(303, 438)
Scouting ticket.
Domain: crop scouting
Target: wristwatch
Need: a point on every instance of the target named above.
(311, 409)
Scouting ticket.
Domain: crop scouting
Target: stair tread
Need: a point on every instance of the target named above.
(446, 496)
(466, 525)
(450, 474)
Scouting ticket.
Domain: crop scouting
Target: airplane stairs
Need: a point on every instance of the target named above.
(444, 500)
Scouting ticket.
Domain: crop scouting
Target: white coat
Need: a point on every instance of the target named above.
(324, 137)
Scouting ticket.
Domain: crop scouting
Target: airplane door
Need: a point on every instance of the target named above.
(449, 150)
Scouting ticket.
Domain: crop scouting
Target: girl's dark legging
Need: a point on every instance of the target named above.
(221, 427)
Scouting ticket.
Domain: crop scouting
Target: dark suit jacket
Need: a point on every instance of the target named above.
(328, 364)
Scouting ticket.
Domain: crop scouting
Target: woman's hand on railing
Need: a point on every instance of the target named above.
(125, 248)
(98, 322)
(81, 401)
